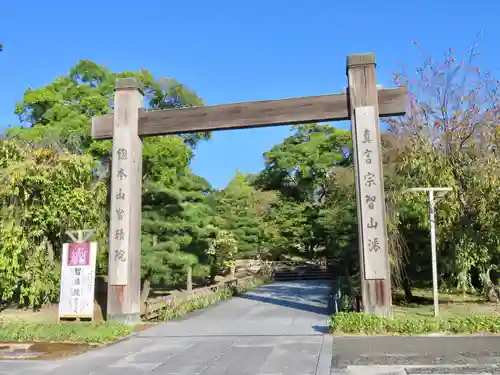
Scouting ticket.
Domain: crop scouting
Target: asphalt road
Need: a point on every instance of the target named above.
(416, 355)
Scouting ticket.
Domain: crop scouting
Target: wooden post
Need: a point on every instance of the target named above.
(370, 198)
(189, 278)
(125, 217)
(232, 270)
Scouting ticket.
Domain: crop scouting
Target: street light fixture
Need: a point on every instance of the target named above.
(441, 191)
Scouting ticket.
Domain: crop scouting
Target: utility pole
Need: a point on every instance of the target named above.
(441, 191)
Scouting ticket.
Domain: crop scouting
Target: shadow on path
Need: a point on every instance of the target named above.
(291, 304)
(310, 297)
(321, 329)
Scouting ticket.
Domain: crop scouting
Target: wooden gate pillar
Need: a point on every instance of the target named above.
(124, 275)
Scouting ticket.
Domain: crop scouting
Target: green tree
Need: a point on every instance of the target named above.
(301, 170)
(176, 230)
(57, 118)
(449, 138)
(237, 210)
(60, 112)
(44, 192)
(221, 252)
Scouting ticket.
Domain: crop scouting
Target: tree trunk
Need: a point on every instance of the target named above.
(350, 290)
(146, 284)
(50, 250)
(213, 274)
(407, 288)
(492, 295)
(189, 278)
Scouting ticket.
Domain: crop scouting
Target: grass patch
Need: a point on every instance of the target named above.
(450, 305)
(82, 333)
(106, 332)
(458, 314)
(181, 307)
(363, 324)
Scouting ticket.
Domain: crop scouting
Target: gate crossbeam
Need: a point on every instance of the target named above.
(257, 114)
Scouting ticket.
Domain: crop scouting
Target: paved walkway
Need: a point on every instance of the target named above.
(276, 329)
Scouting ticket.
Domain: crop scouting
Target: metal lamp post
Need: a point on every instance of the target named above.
(441, 191)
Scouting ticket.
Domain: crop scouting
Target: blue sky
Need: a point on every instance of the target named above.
(232, 51)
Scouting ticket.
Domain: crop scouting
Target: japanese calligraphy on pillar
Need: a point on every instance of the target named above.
(76, 298)
(371, 192)
(121, 193)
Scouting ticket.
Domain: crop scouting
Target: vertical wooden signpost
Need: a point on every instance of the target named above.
(362, 104)
(125, 216)
(370, 197)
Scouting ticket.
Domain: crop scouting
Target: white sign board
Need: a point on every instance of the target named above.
(78, 280)
(371, 193)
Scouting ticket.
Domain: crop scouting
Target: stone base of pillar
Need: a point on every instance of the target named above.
(129, 319)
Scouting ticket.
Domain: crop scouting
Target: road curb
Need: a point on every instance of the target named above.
(325, 356)
(420, 370)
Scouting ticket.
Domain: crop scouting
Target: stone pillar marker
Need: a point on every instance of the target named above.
(124, 274)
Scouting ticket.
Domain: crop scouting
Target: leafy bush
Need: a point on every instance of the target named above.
(43, 193)
(359, 323)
